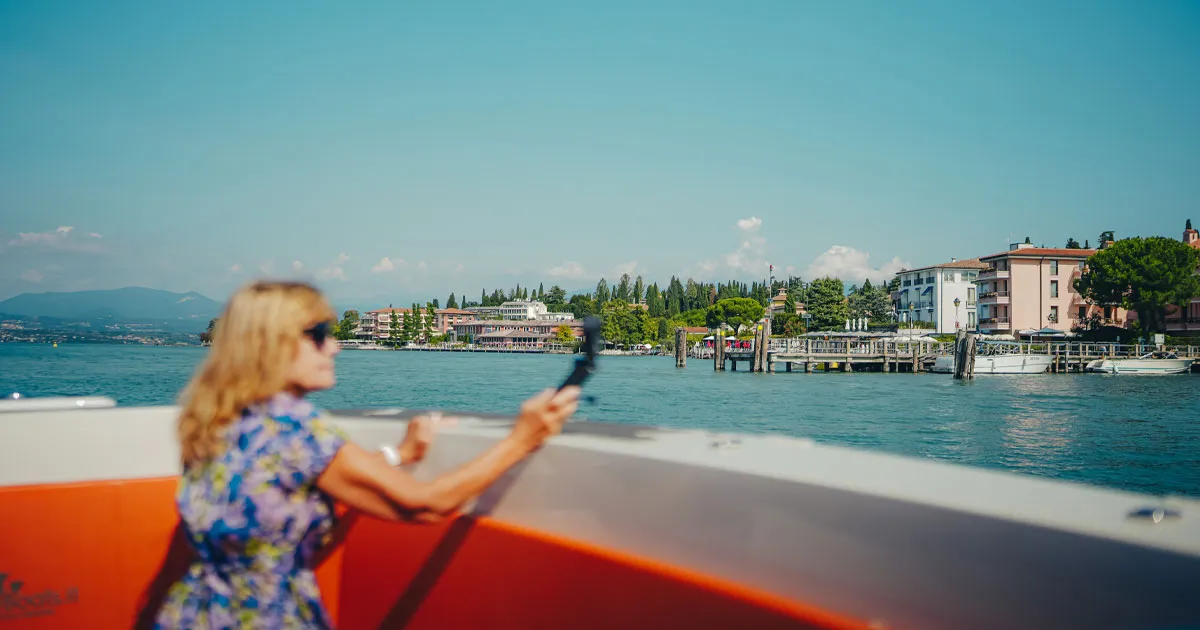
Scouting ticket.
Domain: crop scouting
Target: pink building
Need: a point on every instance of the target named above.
(1030, 288)
(377, 324)
(444, 319)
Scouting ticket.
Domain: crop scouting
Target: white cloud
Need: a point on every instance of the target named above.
(749, 225)
(568, 269)
(236, 268)
(59, 239)
(852, 266)
(334, 271)
(186, 298)
(385, 264)
(791, 270)
(750, 257)
(421, 266)
(297, 266)
(627, 268)
(267, 268)
(95, 235)
(32, 275)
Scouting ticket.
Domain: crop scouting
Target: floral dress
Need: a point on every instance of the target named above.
(256, 520)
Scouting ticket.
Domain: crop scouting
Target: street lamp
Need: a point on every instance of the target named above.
(911, 308)
(956, 303)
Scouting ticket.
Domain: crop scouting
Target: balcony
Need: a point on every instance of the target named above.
(993, 274)
(995, 323)
(994, 297)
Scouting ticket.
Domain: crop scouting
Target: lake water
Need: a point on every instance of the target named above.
(1126, 432)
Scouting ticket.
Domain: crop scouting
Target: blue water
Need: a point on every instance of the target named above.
(1126, 432)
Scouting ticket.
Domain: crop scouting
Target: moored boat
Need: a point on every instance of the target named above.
(997, 357)
(1154, 363)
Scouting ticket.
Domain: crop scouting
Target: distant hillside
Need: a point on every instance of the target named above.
(130, 303)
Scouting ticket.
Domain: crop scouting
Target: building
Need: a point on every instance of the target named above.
(444, 319)
(376, 325)
(1030, 288)
(507, 332)
(779, 303)
(944, 295)
(520, 310)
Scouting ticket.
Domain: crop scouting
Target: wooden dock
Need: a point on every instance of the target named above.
(880, 355)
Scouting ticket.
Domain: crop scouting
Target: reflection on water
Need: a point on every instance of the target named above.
(1136, 433)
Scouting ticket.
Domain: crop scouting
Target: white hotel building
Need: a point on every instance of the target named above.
(928, 294)
(520, 310)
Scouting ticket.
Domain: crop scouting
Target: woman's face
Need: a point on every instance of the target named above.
(312, 369)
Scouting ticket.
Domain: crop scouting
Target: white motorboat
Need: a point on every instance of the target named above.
(998, 358)
(1152, 363)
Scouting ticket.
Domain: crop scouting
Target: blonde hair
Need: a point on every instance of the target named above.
(254, 343)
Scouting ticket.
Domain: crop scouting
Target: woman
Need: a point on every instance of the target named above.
(262, 468)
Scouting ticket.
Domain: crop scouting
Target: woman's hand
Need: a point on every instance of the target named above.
(543, 416)
(418, 438)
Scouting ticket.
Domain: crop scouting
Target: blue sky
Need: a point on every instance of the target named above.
(393, 152)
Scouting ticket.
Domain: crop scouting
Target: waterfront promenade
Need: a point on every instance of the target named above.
(917, 355)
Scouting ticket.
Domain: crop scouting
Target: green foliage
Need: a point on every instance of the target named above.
(345, 328)
(787, 325)
(1146, 275)
(207, 335)
(737, 312)
(563, 335)
(827, 304)
(621, 324)
(451, 302)
(871, 302)
(1073, 244)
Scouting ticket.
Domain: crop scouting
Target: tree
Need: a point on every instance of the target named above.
(345, 328)
(624, 291)
(1073, 244)
(827, 304)
(737, 312)
(602, 294)
(451, 302)
(427, 323)
(207, 336)
(1087, 244)
(556, 295)
(435, 304)
(395, 329)
(1146, 275)
(563, 335)
(639, 290)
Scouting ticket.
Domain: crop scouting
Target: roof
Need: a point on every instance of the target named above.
(971, 263)
(522, 322)
(394, 310)
(1042, 252)
(453, 311)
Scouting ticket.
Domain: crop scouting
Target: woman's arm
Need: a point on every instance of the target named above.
(364, 481)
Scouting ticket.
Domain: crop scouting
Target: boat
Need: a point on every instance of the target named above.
(997, 357)
(614, 526)
(1154, 363)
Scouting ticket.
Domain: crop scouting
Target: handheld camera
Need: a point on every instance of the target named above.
(586, 364)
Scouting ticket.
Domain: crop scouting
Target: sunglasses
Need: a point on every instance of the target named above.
(318, 333)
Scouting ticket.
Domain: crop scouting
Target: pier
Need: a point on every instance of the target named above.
(850, 355)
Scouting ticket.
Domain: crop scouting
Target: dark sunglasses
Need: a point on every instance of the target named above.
(318, 333)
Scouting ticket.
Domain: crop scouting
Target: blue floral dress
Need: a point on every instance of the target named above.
(256, 520)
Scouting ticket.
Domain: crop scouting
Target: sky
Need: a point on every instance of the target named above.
(398, 151)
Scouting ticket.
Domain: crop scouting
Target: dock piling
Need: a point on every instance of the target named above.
(680, 348)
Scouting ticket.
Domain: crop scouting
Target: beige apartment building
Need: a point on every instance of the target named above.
(1031, 288)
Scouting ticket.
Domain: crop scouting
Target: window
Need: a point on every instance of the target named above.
(970, 295)
(1082, 313)
(971, 319)
(948, 277)
(1053, 314)
(1054, 288)
(1054, 267)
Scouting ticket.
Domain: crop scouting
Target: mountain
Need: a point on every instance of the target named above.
(128, 304)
